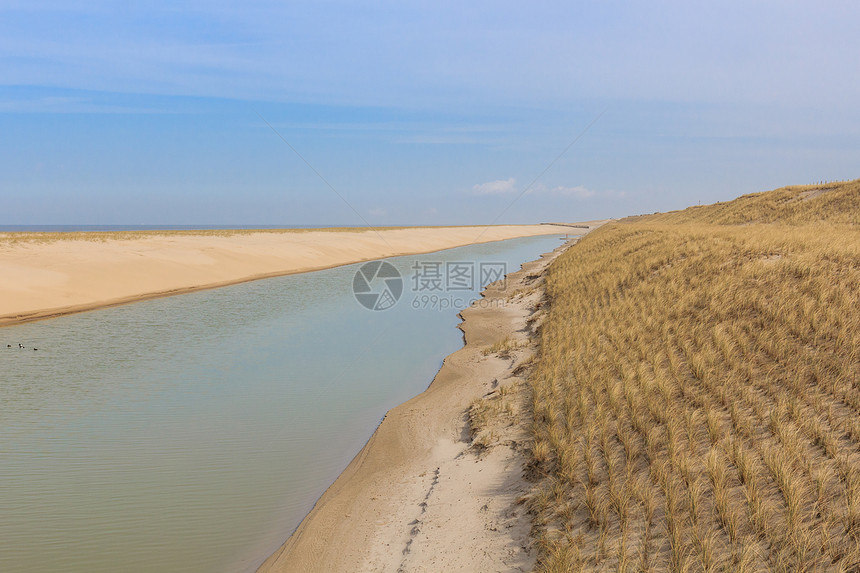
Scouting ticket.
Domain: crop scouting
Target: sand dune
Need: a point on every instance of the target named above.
(50, 275)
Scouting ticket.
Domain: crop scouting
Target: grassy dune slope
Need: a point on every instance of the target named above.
(798, 205)
(696, 398)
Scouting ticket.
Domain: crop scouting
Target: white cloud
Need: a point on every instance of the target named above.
(504, 186)
(377, 212)
(536, 188)
(575, 192)
(498, 187)
(580, 191)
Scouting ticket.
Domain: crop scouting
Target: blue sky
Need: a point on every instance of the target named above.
(434, 113)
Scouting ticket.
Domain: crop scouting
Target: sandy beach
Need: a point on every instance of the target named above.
(51, 274)
(436, 486)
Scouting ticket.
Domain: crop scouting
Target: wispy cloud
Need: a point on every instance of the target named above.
(63, 104)
(498, 187)
(508, 186)
(580, 191)
(575, 192)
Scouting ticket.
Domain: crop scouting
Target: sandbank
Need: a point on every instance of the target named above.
(50, 274)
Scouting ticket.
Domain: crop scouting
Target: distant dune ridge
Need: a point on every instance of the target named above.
(696, 396)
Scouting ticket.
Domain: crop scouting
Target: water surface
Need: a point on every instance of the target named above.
(193, 433)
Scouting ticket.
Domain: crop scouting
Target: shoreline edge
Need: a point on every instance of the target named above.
(404, 501)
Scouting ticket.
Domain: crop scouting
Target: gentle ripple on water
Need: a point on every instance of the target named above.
(193, 433)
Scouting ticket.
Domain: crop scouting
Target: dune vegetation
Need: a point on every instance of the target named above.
(696, 394)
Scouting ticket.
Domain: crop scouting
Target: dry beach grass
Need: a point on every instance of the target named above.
(696, 395)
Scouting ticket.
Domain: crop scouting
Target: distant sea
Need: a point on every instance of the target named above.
(98, 228)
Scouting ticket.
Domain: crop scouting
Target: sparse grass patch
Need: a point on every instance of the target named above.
(503, 348)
